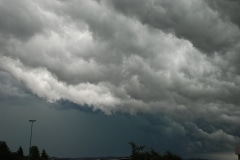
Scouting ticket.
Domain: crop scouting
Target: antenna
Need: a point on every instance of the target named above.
(31, 121)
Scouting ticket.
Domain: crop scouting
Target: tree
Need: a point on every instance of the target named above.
(137, 151)
(140, 153)
(169, 156)
(4, 151)
(34, 153)
(44, 155)
(20, 152)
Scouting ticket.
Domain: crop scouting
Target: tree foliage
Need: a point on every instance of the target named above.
(44, 155)
(6, 154)
(141, 153)
(20, 152)
(4, 151)
(34, 153)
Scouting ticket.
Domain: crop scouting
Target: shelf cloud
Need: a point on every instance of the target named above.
(177, 58)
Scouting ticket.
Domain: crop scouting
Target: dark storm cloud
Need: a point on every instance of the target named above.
(193, 20)
(176, 60)
(19, 19)
(227, 9)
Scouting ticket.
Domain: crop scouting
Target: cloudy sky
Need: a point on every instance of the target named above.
(97, 74)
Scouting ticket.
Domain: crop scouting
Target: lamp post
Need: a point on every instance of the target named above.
(32, 121)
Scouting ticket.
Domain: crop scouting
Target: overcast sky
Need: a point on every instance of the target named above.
(96, 74)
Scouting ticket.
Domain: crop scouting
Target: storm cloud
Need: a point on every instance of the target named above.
(177, 61)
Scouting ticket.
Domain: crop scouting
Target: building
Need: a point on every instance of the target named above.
(237, 151)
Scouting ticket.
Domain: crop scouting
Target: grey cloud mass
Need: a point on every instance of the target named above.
(175, 61)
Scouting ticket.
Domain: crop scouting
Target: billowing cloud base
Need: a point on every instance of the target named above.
(177, 58)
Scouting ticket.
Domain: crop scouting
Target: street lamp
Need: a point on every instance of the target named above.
(32, 121)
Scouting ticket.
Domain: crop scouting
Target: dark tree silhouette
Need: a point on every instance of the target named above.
(4, 151)
(20, 152)
(140, 153)
(137, 151)
(169, 156)
(44, 155)
(34, 153)
(6, 154)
